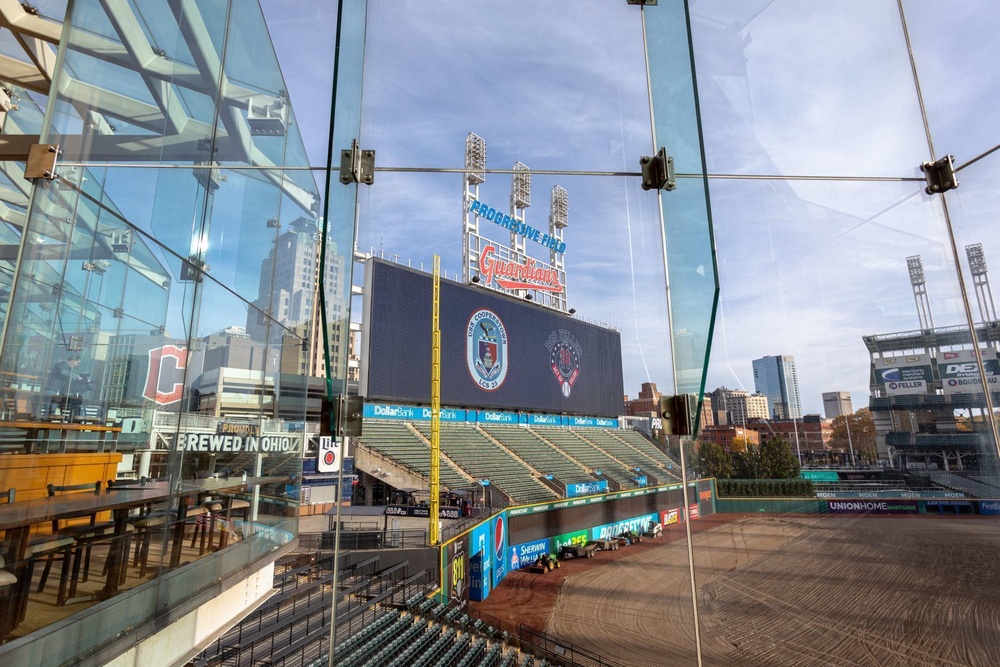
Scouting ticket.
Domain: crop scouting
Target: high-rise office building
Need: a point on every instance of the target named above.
(837, 403)
(775, 377)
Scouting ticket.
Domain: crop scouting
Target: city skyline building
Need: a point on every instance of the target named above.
(836, 404)
(776, 378)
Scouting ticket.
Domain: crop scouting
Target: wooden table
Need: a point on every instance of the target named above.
(17, 518)
(34, 430)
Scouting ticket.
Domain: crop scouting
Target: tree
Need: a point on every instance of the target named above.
(862, 435)
(714, 461)
(777, 461)
(747, 463)
(690, 457)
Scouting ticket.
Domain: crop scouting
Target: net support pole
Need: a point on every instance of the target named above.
(435, 499)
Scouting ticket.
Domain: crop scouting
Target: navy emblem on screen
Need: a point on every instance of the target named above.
(486, 349)
(564, 359)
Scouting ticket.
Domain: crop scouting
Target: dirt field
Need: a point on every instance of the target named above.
(782, 591)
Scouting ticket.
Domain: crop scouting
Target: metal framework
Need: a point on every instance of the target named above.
(916, 268)
(477, 249)
(981, 281)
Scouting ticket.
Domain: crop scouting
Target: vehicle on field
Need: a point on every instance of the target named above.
(653, 530)
(629, 537)
(544, 563)
(606, 545)
(578, 550)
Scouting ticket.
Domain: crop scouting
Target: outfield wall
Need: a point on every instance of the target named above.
(897, 506)
(475, 562)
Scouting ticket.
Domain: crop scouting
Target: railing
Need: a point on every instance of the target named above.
(364, 539)
(543, 645)
(564, 653)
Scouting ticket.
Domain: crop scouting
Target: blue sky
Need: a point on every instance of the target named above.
(807, 267)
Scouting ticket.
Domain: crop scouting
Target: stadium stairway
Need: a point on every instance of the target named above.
(401, 443)
(483, 458)
(625, 446)
(539, 453)
(573, 444)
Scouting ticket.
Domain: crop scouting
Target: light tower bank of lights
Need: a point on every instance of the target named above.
(508, 267)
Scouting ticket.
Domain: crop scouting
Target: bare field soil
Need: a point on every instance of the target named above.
(790, 592)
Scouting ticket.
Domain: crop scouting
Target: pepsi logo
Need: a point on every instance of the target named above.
(498, 532)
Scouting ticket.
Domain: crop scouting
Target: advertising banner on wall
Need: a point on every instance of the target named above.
(960, 371)
(523, 555)
(422, 512)
(579, 537)
(670, 517)
(481, 559)
(545, 420)
(498, 532)
(989, 506)
(457, 567)
(904, 375)
(410, 413)
(637, 524)
(873, 506)
(693, 512)
(586, 488)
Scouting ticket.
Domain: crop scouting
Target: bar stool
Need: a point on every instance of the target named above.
(85, 534)
(8, 613)
(52, 548)
(210, 510)
(6, 578)
(145, 526)
(242, 507)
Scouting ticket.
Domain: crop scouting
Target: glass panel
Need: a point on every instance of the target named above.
(339, 216)
(971, 209)
(163, 303)
(690, 253)
(954, 54)
(855, 106)
(513, 80)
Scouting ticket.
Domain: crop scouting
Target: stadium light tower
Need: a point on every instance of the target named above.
(984, 295)
(520, 199)
(475, 165)
(916, 269)
(558, 221)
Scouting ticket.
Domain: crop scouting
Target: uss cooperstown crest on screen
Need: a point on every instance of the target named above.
(486, 349)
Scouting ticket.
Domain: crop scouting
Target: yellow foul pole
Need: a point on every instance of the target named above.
(435, 404)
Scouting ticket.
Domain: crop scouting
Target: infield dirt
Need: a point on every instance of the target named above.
(784, 591)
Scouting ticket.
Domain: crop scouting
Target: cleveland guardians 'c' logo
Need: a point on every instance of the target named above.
(486, 349)
(165, 375)
(564, 359)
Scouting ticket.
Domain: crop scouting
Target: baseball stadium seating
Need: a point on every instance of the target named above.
(588, 454)
(963, 484)
(540, 454)
(481, 457)
(515, 458)
(397, 441)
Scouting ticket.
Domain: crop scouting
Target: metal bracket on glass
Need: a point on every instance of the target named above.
(658, 171)
(646, 3)
(41, 162)
(356, 165)
(675, 413)
(940, 175)
(192, 269)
